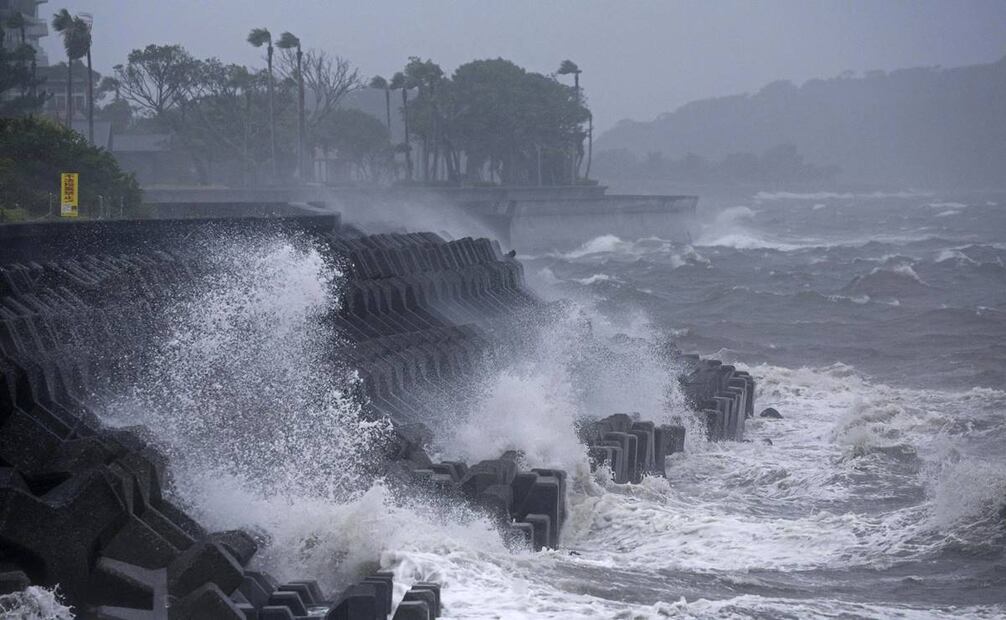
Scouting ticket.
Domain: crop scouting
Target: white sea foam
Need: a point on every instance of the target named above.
(947, 213)
(34, 603)
(808, 196)
(597, 277)
(955, 255)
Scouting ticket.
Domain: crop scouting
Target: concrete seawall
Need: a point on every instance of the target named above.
(528, 218)
(87, 507)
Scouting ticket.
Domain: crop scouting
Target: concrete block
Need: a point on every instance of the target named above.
(275, 612)
(436, 610)
(288, 599)
(207, 602)
(412, 610)
(542, 525)
(428, 597)
(202, 563)
(238, 543)
(358, 602)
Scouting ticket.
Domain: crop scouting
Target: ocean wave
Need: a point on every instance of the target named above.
(955, 255)
(597, 277)
(774, 196)
(746, 241)
(887, 282)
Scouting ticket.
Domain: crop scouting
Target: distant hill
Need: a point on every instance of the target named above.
(923, 127)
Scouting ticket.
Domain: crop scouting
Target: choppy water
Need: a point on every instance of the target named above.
(875, 323)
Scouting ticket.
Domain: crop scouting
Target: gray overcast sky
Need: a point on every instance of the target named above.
(639, 58)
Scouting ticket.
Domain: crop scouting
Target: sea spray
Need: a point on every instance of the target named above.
(259, 420)
(34, 603)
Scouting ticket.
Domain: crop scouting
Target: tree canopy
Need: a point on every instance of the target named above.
(500, 120)
(33, 153)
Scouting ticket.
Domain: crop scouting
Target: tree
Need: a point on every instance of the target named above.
(156, 79)
(90, 86)
(287, 42)
(426, 76)
(224, 117)
(34, 151)
(329, 78)
(400, 81)
(380, 83)
(505, 116)
(76, 42)
(568, 67)
(259, 37)
(359, 139)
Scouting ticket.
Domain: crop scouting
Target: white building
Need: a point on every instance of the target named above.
(34, 29)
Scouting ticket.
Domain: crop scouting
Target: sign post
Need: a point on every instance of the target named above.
(68, 186)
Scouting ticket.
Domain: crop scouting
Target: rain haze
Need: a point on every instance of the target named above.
(522, 310)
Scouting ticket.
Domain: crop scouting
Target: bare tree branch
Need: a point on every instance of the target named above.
(327, 79)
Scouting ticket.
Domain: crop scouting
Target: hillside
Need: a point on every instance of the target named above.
(930, 127)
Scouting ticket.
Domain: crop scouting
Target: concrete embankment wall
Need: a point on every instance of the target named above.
(86, 507)
(530, 219)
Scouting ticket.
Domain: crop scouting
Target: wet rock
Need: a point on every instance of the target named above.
(770, 412)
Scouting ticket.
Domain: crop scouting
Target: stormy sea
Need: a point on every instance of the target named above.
(874, 323)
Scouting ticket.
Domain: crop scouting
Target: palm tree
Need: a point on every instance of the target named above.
(399, 81)
(567, 67)
(86, 18)
(289, 41)
(76, 42)
(259, 37)
(382, 84)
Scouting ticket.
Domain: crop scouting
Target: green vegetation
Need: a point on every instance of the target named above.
(493, 121)
(209, 122)
(33, 153)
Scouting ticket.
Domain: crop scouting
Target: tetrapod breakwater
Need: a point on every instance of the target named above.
(91, 508)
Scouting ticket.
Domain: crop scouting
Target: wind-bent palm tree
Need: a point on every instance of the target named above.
(399, 81)
(76, 42)
(90, 82)
(382, 84)
(289, 41)
(567, 67)
(259, 37)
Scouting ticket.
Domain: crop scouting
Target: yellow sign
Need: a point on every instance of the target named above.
(68, 186)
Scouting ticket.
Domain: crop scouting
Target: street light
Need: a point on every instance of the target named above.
(289, 41)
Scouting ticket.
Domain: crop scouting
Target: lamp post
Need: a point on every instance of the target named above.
(259, 37)
(289, 41)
